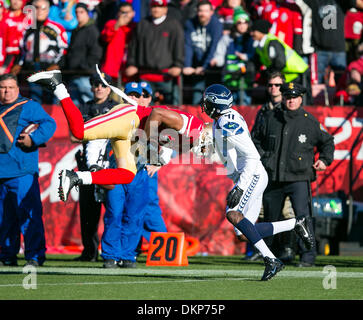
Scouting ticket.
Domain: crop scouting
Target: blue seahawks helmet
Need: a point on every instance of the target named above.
(217, 99)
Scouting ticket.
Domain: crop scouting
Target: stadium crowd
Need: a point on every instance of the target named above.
(181, 47)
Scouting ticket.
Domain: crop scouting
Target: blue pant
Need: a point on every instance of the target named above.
(80, 90)
(168, 89)
(153, 220)
(337, 60)
(21, 211)
(40, 94)
(124, 218)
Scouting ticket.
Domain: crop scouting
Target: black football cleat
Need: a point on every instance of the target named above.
(67, 180)
(49, 79)
(303, 231)
(272, 267)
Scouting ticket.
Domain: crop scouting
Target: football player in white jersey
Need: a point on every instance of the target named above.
(239, 155)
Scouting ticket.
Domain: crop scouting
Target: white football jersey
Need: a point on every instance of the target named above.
(235, 148)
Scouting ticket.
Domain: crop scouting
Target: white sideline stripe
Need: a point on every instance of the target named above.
(180, 273)
(117, 282)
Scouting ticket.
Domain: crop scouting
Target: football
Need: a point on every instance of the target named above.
(30, 128)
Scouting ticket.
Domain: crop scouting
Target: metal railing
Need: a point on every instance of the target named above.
(353, 180)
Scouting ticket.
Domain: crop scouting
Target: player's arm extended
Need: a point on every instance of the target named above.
(165, 118)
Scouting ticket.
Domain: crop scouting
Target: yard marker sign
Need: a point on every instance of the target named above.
(167, 249)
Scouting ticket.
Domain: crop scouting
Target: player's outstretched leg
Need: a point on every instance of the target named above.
(272, 264)
(303, 231)
(53, 81)
(49, 79)
(69, 179)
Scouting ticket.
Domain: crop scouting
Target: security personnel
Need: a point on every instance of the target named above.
(21, 208)
(276, 54)
(285, 242)
(90, 204)
(286, 138)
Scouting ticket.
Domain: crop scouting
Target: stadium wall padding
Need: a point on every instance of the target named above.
(192, 196)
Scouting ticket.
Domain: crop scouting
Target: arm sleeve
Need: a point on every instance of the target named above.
(257, 132)
(188, 45)
(276, 54)
(221, 50)
(62, 42)
(132, 47)
(108, 31)
(47, 125)
(325, 146)
(178, 47)
(216, 35)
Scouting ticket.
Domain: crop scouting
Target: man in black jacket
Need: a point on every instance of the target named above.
(285, 138)
(83, 54)
(156, 52)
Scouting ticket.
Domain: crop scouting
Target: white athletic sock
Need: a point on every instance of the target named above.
(86, 176)
(263, 248)
(284, 225)
(61, 91)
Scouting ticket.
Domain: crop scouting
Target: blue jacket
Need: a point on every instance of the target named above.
(243, 44)
(201, 42)
(17, 162)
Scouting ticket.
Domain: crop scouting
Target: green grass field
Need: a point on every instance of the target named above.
(206, 278)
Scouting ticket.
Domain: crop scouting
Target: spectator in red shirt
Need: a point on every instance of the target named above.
(353, 26)
(116, 36)
(350, 84)
(286, 20)
(15, 21)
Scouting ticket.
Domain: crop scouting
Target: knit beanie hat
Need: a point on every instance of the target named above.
(239, 14)
(82, 5)
(261, 25)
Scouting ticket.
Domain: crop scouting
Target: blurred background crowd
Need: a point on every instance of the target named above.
(182, 46)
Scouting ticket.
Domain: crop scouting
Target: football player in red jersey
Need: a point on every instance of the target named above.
(118, 125)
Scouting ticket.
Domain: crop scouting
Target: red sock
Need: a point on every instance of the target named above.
(112, 176)
(74, 118)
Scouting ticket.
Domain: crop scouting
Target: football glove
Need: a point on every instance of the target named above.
(234, 196)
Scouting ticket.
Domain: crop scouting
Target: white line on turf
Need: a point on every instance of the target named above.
(207, 273)
(117, 282)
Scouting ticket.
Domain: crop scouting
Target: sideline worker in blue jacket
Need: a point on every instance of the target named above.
(20, 202)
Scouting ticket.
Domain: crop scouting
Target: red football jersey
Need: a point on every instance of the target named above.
(17, 25)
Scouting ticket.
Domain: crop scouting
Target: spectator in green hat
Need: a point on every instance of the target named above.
(234, 53)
